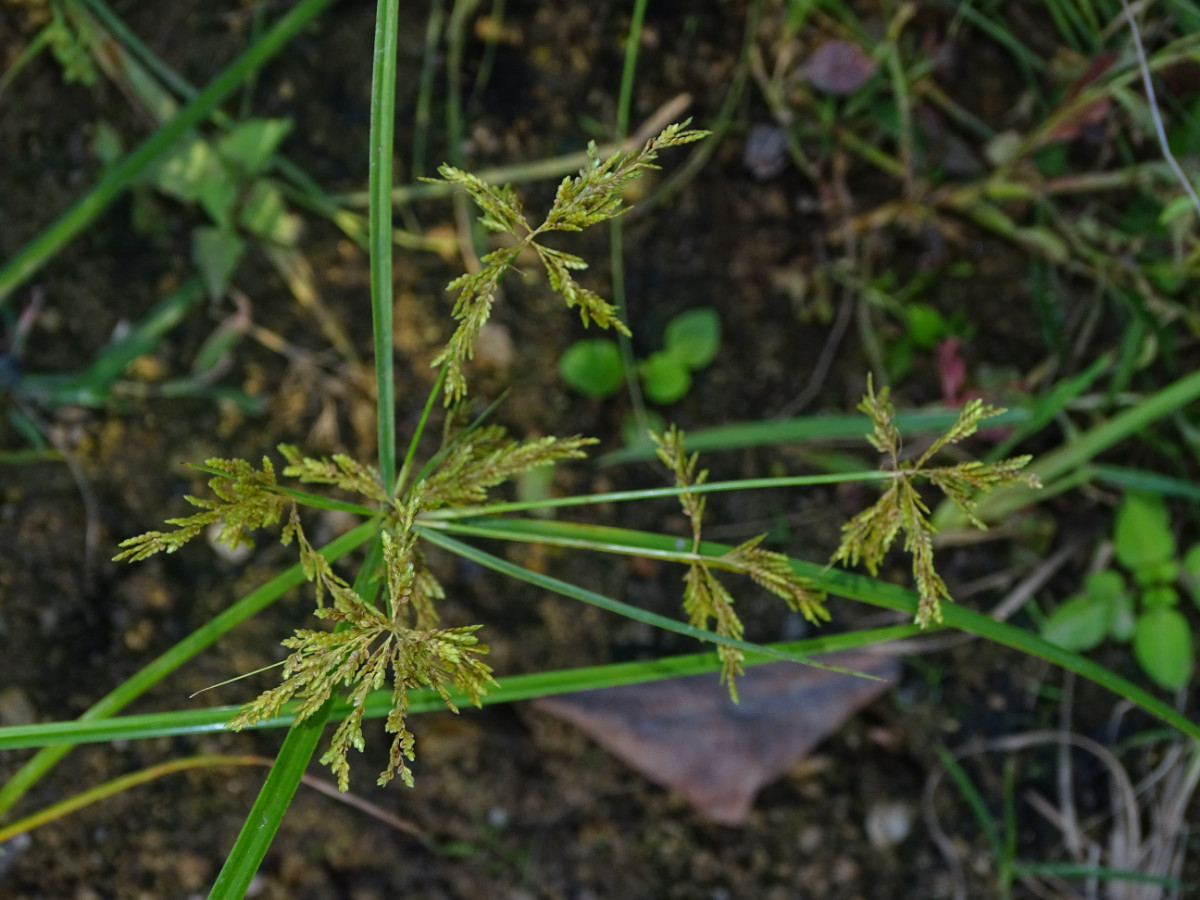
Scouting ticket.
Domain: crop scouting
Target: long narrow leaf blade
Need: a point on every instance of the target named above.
(853, 587)
(512, 689)
(241, 865)
(383, 115)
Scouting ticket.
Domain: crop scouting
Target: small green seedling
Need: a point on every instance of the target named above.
(1144, 612)
(594, 367)
(924, 328)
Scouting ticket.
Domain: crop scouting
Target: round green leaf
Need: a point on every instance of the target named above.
(1191, 563)
(926, 326)
(694, 337)
(592, 367)
(1107, 584)
(665, 376)
(1162, 644)
(1191, 568)
(1162, 572)
(1143, 531)
(1124, 622)
(1079, 624)
(1160, 595)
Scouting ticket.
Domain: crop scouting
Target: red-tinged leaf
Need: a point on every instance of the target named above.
(951, 365)
(1089, 114)
(952, 370)
(686, 735)
(839, 68)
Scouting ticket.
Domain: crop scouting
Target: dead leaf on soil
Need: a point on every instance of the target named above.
(838, 68)
(687, 736)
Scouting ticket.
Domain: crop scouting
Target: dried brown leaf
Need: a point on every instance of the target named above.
(686, 735)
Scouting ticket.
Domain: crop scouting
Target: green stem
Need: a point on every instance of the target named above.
(750, 484)
(241, 865)
(117, 785)
(806, 429)
(574, 592)
(383, 116)
(261, 825)
(422, 116)
(708, 487)
(616, 231)
(863, 589)
(402, 478)
(422, 700)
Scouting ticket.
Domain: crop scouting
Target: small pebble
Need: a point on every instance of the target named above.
(16, 708)
(494, 348)
(888, 823)
(238, 554)
(765, 155)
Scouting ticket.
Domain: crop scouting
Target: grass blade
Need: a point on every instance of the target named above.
(978, 806)
(512, 689)
(565, 588)
(284, 778)
(241, 865)
(804, 429)
(1072, 457)
(117, 785)
(852, 587)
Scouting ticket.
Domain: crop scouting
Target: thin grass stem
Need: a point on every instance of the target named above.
(383, 118)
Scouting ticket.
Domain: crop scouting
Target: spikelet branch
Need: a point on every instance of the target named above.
(593, 196)
(868, 536)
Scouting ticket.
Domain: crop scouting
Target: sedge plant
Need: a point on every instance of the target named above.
(387, 654)
(399, 642)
